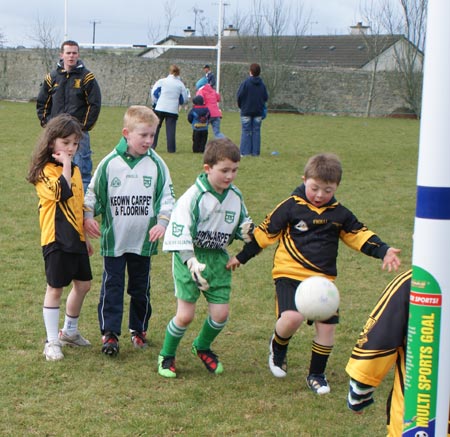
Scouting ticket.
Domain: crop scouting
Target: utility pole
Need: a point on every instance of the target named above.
(196, 12)
(94, 23)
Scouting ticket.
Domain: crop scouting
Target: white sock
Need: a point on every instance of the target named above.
(70, 325)
(51, 322)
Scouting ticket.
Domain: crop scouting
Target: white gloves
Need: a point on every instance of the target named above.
(247, 231)
(196, 268)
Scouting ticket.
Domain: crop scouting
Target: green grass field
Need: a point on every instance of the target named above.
(92, 395)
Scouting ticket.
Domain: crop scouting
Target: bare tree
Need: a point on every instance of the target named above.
(158, 29)
(169, 15)
(261, 32)
(46, 39)
(376, 42)
(154, 31)
(409, 17)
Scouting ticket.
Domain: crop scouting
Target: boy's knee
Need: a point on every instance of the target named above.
(292, 318)
(82, 287)
(183, 320)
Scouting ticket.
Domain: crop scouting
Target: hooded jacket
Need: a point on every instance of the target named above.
(252, 96)
(211, 98)
(75, 92)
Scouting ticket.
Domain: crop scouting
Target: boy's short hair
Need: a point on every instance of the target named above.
(137, 114)
(255, 69)
(68, 42)
(325, 166)
(219, 149)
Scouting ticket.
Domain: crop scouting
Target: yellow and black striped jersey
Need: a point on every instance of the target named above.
(61, 210)
(382, 344)
(308, 237)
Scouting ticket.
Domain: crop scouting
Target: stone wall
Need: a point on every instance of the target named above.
(126, 79)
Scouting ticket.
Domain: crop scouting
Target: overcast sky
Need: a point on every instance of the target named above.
(144, 21)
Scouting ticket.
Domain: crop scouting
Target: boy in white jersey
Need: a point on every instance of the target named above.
(205, 220)
(132, 191)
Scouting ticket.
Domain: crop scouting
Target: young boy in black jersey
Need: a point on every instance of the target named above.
(307, 227)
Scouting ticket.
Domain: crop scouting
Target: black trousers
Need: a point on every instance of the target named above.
(199, 139)
(171, 129)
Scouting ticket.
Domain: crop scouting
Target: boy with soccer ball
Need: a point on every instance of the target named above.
(307, 227)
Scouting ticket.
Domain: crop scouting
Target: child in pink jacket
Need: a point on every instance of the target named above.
(211, 98)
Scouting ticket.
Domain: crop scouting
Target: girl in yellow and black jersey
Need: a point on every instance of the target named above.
(66, 251)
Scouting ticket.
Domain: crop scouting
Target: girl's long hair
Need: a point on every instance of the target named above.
(61, 126)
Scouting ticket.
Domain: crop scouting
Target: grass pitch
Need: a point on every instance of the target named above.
(91, 395)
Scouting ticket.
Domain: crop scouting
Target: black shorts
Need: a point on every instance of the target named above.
(62, 267)
(285, 289)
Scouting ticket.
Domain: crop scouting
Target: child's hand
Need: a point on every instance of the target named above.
(196, 268)
(232, 263)
(156, 233)
(391, 260)
(247, 231)
(62, 157)
(92, 228)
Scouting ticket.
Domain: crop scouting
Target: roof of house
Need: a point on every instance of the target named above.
(344, 51)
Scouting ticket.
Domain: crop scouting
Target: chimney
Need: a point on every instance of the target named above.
(359, 29)
(189, 31)
(230, 31)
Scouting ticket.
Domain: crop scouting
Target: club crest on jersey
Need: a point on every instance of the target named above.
(147, 181)
(116, 182)
(301, 226)
(362, 338)
(177, 230)
(229, 216)
(77, 83)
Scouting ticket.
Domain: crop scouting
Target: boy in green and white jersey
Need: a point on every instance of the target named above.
(132, 191)
(205, 220)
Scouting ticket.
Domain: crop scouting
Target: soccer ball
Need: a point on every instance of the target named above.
(317, 298)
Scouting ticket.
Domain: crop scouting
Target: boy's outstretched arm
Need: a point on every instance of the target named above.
(378, 249)
(249, 251)
(232, 263)
(391, 261)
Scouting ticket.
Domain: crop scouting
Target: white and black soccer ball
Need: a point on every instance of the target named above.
(317, 298)
(421, 434)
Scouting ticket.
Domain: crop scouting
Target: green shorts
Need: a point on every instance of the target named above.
(218, 277)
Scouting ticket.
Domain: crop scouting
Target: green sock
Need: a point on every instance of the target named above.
(174, 334)
(210, 330)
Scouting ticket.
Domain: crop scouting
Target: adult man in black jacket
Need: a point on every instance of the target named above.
(71, 88)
